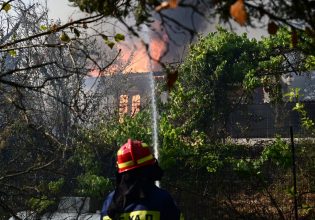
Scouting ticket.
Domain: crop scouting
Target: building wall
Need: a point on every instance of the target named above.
(266, 121)
(128, 93)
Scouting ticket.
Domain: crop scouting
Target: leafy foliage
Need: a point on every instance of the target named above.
(95, 152)
(218, 66)
(27, 153)
(41, 204)
(56, 186)
(306, 122)
(118, 9)
(278, 154)
(215, 69)
(221, 71)
(93, 185)
(43, 68)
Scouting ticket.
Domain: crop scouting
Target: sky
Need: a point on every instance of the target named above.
(60, 9)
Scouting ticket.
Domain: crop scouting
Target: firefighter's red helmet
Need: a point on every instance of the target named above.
(132, 155)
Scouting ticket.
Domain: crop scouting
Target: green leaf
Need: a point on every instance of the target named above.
(43, 27)
(64, 37)
(92, 185)
(6, 7)
(119, 37)
(55, 186)
(105, 38)
(41, 203)
(290, 191)
(12, 53)
(298, 106)
(110, 44)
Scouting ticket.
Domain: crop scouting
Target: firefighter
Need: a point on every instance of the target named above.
(136, 197)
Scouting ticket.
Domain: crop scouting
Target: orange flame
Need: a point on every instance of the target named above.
(138, 59)
(135, 59)
(134, 55)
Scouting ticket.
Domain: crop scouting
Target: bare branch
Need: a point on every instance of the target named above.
(24, 69)
(33, 46)
(85, 20)
(28, 170)
(42, 85)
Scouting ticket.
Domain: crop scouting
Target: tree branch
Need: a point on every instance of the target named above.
(25, 69)
(28, 170)
(54, 30)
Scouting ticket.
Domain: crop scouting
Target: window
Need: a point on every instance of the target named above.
(135, 107)
(123, 106)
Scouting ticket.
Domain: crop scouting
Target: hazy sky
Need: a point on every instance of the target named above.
(60, 9)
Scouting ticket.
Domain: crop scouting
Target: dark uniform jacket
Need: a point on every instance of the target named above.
(158, 205)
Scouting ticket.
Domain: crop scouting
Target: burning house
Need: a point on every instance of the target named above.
(126, 85)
